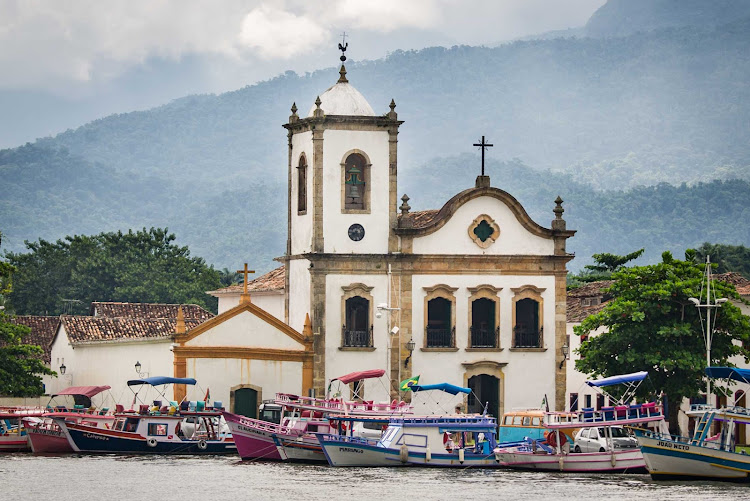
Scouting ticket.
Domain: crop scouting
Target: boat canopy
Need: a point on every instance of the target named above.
(729, 373)
(159, 380)
(86, 391)
(623, 378)
(446, 387)
(359, 376)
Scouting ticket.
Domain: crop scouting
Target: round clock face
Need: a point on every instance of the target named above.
(356, 232)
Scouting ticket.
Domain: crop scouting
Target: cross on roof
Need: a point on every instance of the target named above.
(245, 272)
(484, 145)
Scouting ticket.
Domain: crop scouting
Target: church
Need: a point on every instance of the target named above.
(472, 293)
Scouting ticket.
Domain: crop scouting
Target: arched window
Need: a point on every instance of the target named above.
(355, 182)
(302, 185)
(357, 327)
(483, 328)
(528, 322)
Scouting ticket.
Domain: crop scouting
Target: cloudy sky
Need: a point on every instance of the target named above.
(65, 62)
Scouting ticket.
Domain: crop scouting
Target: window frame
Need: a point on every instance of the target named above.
(484, 291)
(348, 292)
(446, 292)
(533, 293)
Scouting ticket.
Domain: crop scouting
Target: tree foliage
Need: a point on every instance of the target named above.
(138, 266)
(604, 265)
(727, 257)
(652, 326)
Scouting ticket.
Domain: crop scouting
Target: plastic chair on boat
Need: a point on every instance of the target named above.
(608, 413)
(200, 405)
(119, 408)
(184, 405)
(143, 409)
(633, 411)
(218, 404)
(588, 413)
(621, 411)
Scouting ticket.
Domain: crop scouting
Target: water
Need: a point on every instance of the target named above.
(29, 477)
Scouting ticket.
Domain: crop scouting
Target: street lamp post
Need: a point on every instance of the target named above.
(708, 305)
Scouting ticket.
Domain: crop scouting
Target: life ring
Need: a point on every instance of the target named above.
(202, 444)
(551, 438)
(151, 442)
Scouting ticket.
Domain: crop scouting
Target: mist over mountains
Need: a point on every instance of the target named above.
(603, 122)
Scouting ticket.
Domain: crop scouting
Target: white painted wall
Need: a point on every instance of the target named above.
(299, 292)
(220, 375)
(576, 381)
(528, 375)
(453, 237)
(245, 329)
(302, 224)
(336, 144)
(270, 301)
(110, 364)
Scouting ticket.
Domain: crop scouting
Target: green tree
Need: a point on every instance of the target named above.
(604, 265)
(20, 364)
(727, 257)
(652, 326)
(138, 266)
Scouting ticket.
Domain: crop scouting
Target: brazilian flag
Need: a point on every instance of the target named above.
(406, 384)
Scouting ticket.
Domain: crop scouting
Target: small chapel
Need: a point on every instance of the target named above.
(472, 293)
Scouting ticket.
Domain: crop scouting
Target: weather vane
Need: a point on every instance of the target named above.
(343, 46)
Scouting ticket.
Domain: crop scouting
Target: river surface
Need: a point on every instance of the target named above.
(177, 478)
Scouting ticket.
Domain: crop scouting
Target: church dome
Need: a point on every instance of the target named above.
(343, 99)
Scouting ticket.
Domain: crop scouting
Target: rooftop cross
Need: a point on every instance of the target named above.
(484, 145)
(343, 46)
(245, 272)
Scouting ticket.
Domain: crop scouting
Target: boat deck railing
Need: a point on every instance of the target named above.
(340, 406)
(266, 426)
(329, 437)
(620, 414)
(708, 443)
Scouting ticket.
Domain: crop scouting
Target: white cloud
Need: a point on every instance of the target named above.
(387, 15)
(280, 34)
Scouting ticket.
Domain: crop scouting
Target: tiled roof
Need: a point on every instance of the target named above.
(575, 310)
(271, 281)
(42, 331)
(148, 310)
(83, 329)
(419, 219)
(740, 283)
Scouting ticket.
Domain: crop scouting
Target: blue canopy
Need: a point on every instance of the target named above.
(623, 378)
(729, 373)
(158, 380)
(446, 387)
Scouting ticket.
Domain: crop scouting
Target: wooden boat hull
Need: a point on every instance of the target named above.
(302, 449)
(14, 443)
(48, 441)
(623, 461)
(669, 460)
(89, 439)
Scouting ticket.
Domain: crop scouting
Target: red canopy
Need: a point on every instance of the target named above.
(359, 376)
(88, 391)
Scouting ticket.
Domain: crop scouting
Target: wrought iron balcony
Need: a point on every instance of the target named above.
(440, 338)
(356, 338)
(525, 337)
(484, 337)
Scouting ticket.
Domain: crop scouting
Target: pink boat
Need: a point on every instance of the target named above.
(45, 436)
(305, 416)
(13, 437)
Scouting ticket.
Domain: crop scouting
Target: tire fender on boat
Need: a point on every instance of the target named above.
(202, 444)
(403, 453)
(427, 455)
(461, 456)
(151, 442)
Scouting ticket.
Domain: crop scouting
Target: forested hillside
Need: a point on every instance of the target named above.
(602, 122)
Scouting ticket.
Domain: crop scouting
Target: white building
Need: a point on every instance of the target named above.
(471, 294)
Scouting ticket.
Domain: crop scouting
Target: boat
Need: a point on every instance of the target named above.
(13, 436)
(188, 428)
(519, 424)
(554, 452)
(46, 436)
(454, 440)
(702, 457)
(294, 438)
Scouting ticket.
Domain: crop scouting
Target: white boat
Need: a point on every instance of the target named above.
(702, 457)
(554, 453)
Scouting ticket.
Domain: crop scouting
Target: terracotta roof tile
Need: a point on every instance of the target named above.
(84, 329)
(272, 281)
(419, 219)
(148, 310)
(42, 331)
(576, 310)
(740, 283)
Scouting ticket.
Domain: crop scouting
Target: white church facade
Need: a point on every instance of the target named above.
(471, 294)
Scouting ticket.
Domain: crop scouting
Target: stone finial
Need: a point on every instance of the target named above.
(405, 205)
(179, 327)
(342, 73)
(307, 329)
(318, 110)
(558, 223)
(294, 117)
(392, 114)
(482, 182)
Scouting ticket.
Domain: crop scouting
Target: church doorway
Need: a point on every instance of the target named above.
(485, 390)
(244, 401)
